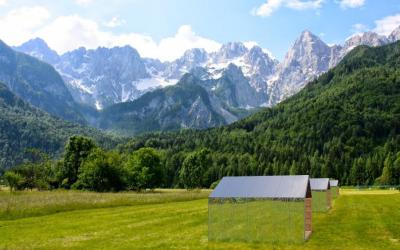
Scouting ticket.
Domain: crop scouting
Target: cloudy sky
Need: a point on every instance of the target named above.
(164, 29)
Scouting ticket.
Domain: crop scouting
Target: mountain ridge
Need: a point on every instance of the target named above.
(23, 126)
(37, 83)
(238, 79)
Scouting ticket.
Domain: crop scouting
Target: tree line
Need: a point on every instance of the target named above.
(87, 166)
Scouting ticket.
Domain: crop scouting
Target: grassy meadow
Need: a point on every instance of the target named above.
(177, 219)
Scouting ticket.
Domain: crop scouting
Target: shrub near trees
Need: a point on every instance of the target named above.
(193, 168)
(12, 179)
(101, 171)
(77, 150)
(143, 169)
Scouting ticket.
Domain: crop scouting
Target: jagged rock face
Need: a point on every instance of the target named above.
(39, 49)
(229, 51)
(234, 89)
(153, 66)
(307, 58)
(261, 63)
(336, 55)
(262, 67)
(367, 38)
(308, 51)
(103, 76)
(395, 35)
(191, 58)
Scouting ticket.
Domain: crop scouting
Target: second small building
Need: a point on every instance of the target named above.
(321, 194)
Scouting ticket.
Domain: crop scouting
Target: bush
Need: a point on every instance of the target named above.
(101, 172)
(193, 168)
(144, 169)
(13, 180)
(214, 184)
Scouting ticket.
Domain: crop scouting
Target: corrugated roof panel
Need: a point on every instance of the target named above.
(262, 187)
(334, 183)
(319, 183)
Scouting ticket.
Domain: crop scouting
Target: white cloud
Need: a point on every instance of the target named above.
(172, 47)
(359, 28)
(70, 32)
(3, 2)
(251, 44)
(344, 4)
(18, 25)
(270, 6)
(66, 33)
(115, 22)
(386, 25)
(83, 2)
(304, 5)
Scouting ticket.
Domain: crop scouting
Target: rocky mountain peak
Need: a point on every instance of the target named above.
(366, 38)
(308, 50)
(232, 70)
(38, 48)
(261, 62)
(307, 35)
(195, 55)
(395, 35)
(35, 43)
(231, 50)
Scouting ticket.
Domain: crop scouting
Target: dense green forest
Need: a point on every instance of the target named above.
(23, 127)
(344, 125)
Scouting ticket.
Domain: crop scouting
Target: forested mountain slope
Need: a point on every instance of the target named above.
(188, 104)
(23, 127)
(38, 84)
(345, 125)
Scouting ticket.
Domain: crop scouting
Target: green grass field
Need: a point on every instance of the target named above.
(262, 221)
(178, 220)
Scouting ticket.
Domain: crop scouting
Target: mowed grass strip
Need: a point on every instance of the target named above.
(33, 203)
(370, 221)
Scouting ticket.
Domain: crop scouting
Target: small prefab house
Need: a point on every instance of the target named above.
(321, 194)
(260, 209)
(334, 188)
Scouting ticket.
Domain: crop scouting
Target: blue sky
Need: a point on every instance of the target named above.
(165, 28)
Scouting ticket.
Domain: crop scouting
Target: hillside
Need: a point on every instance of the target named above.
(38, 84)
(345, 125)
(23, 126)
(185, 105)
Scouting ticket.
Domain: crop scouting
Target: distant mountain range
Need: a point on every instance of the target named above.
(133, 94)
(106, 76)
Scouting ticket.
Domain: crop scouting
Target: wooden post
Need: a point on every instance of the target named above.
(307, 218)
(329, 198)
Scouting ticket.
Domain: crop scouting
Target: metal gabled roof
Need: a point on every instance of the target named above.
(291, 187)
(334, 183)
(319, 184)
